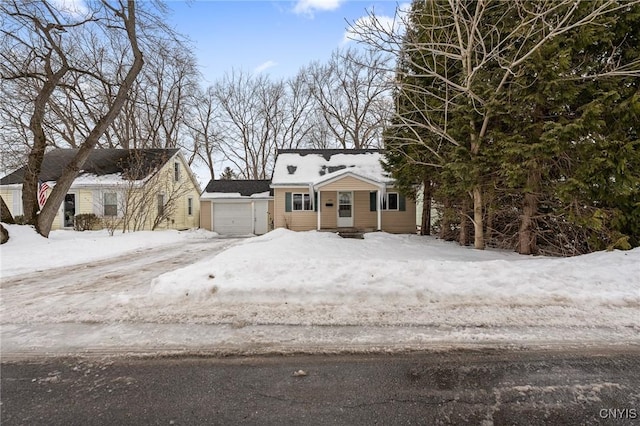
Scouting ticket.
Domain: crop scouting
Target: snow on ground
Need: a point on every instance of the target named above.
(26, 251)
(300, 290)
(400, 270)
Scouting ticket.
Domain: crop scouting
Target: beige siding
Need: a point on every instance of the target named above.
(349, 183)
(398, 222)
(205, 215)
(84, 201)
(363, 217)
(329, 213)
(296, 221)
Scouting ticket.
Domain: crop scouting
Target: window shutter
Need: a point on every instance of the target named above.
(402, 203)
(373, 201)
(316, 201)
(287, 201)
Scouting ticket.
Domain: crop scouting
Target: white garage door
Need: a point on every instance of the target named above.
(232, 218)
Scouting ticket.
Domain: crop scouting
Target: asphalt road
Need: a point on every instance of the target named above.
(488, 387)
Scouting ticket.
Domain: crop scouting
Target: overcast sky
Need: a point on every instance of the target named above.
(277, 37)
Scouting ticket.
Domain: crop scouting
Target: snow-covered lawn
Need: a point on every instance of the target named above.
(315, 289)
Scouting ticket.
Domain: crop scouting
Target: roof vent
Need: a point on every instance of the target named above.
(291, 169)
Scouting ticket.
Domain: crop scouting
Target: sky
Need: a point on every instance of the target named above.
(277, 37)
(294, 290)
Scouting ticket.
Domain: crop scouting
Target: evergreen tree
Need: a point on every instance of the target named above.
(228, 174)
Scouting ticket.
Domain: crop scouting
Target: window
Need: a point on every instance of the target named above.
(302, 202)
(160, 204)
(110, 203)
(176, 171)
(190, 206)
(390, 201)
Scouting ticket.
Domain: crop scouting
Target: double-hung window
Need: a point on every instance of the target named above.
(176, 171)
(390, 201)
(110, 204)
(301, 202)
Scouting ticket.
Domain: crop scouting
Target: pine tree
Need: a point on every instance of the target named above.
(228, 174)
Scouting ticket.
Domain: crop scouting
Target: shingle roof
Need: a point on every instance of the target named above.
(134, 163)
(243, 187)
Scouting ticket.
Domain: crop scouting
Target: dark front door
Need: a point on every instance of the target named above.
(69, 210)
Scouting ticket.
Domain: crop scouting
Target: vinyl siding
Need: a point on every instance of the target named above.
(397, 222)
(294, 220)
(400, 222)
(205, 215)
(329, 214)
(349, 183)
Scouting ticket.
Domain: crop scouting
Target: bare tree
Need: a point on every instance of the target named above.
(203, 128)
(251, 110)
(49, 40)
(36, 50)
(352, 96)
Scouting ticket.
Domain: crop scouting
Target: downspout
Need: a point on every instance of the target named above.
(318, 208)
(253, 217)
(379, 208)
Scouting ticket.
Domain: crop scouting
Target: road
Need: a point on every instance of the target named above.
(486, 387)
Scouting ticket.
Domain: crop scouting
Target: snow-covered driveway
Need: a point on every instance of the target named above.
(99, 291)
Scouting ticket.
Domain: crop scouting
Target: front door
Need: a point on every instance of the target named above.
(69, 210)
(345, 209)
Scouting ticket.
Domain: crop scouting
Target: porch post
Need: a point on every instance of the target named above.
(379, 209)
(318, 209)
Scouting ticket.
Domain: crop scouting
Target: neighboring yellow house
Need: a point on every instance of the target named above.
(137, 189)
(338, 190)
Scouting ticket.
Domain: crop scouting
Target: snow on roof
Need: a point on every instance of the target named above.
(90, 179)
(302, 167)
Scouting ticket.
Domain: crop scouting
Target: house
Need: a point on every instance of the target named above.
(132, 189)
(338, 189)
(237, 207)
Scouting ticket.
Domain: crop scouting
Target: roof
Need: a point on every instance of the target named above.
(135, 164)
(314, 166)
(245, 188)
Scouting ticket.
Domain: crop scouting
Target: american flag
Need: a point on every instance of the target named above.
(42, 193)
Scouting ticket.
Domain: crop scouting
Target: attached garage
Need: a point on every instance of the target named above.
(236, 207)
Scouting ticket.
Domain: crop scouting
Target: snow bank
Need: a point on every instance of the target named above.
(383, 270)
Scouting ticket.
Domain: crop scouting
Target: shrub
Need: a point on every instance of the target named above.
(86, 221)
(19, 220)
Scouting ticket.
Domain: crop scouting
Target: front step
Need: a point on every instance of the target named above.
(351, 233)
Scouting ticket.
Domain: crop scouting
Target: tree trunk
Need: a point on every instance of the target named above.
(526, 234)
(425, 226)
(49, 210)
(4, 234)
(30, 204)
(478, 222)
(464, 221)
(5, 213)
(445, 221)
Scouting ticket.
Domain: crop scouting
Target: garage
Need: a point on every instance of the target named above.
(232, 218)
(236, 207)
